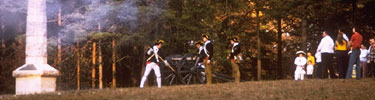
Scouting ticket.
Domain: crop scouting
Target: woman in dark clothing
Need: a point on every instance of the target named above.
(341, 55)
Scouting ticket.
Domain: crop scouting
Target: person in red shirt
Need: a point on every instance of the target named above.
(355, 44)
(356, 40)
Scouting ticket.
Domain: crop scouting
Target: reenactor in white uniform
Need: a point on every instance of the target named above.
(152, 63)
(201, 55)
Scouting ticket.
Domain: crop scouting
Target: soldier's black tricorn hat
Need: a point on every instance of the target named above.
(233, 39)
(159, 41)
(206, 36)
(198, 42)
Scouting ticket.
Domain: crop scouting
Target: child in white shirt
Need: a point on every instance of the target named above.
(300, 63)
(309, 69)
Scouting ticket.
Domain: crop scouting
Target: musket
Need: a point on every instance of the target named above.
(169, 65)
(196, 62)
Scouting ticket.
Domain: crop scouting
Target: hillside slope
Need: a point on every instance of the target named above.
(315, 89)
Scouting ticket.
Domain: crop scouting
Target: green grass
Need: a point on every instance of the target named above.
(315, 89)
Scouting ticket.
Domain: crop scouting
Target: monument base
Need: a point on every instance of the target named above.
(35, 78)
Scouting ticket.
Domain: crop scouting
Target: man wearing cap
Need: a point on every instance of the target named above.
(208, 50)
(234, 56)
(152, 63)
(355, 44)
(326, 47)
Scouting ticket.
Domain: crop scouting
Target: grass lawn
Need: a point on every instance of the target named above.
(314, 89)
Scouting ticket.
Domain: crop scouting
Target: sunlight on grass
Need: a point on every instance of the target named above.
(314, 89)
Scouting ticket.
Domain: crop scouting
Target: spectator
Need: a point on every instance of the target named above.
(363, 58)
(311, 62)
(343, 35)
(300, 63)
(309, 69)
(310, 58)
(341, 55)
(371, 58)
(318, 69)
(355, 43)
(326, 47)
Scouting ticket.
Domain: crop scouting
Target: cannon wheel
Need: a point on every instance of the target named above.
(188, 73)
(168, 76)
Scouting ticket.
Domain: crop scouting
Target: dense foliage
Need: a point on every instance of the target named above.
(135, 24)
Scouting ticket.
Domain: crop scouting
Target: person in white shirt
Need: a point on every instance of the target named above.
(152, 63)
(326, 48)
(343, 35)
(363, 59)
(309, 69)
(318, 70)
(300, 63)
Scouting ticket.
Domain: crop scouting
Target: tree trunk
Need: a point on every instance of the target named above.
(279, 49)
(144, 65)
(259, 59)
(3, 46)
(100, 65)
(59, 51)
(354, 5)
(78, 66)
(93, 64)
(304, 34)
(113, 64)
(97, 4)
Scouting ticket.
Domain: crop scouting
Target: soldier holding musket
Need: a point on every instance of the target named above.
(152, 63)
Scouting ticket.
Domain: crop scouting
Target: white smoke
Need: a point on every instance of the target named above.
(81, 17)
(84, 21)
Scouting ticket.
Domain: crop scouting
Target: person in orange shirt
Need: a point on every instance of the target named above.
(310, 65)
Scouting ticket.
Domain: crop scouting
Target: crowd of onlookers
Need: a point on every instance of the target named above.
(350, 55)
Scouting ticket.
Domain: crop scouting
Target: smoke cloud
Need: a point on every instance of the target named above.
(81, 18)
(113, 16)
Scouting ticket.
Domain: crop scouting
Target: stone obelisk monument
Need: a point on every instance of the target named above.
(36, 76)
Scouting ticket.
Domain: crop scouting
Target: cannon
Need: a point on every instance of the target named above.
(184, 69)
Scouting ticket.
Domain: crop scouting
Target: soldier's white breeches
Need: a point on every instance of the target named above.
(201, 65)
(149, 67)
(299, 73)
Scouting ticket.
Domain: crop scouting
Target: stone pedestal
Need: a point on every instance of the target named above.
(35, 78)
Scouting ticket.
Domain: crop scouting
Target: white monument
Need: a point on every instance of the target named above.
(36, 76)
